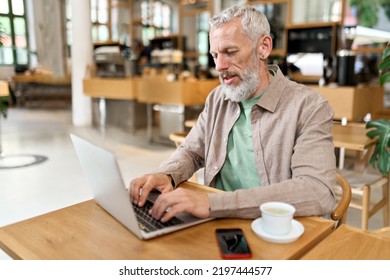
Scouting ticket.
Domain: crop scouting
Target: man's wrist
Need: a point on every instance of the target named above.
(172, 181)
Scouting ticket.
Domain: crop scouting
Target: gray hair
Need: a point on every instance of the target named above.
(254, 23)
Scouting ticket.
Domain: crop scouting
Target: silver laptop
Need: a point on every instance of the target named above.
(104, 177)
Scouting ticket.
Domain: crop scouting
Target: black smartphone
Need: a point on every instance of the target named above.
(232, 243)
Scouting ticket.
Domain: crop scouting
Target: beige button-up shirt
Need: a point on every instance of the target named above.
(292, 142)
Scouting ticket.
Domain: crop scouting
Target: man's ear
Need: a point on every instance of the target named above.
(264, 47)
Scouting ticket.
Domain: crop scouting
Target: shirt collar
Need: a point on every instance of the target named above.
(271, 97)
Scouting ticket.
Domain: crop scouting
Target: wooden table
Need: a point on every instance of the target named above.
(349, 136)
(349, 243)
(190, 123)
(86, 231)
(353, 137)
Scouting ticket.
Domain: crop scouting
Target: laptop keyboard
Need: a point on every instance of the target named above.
(148, 223)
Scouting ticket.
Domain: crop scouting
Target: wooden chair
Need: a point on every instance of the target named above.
(363, 183)
(178, 137)
(343, 189)
(364, 180)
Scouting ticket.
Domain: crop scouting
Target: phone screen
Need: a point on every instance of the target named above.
(232, 243)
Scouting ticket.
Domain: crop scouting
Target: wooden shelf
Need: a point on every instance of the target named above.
(278, 52)
(137, 21)
(191, 54)
(311, 25)
(298, 77)
(105, 44)
(369, 50)
(265, 2)
(193, 2)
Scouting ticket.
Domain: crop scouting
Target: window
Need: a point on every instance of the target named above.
(203, 37)
(13, 28)
(68, 27)
(110, 20)
(156, 20)
(100, 17)
(276, 15)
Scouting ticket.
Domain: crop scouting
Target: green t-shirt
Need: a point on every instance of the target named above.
(239, 170)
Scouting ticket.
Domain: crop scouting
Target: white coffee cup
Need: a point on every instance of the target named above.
(276, 217)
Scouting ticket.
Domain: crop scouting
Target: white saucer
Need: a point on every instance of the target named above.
(296, 231)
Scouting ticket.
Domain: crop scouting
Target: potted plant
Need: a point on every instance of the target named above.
(380, 158)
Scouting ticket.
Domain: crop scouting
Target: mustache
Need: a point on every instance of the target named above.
(229, 74)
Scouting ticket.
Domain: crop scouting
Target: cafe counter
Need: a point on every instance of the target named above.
(129, 102)
(151, 89)
(353, 103)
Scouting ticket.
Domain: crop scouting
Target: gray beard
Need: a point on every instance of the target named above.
(246, 88)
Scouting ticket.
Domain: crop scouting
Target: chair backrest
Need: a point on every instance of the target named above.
(339, 213)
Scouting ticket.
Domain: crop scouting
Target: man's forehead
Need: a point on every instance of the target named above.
(227, 27)
(223, 37)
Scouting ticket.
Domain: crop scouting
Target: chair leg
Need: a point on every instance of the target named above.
(365, 207)
(386, 207)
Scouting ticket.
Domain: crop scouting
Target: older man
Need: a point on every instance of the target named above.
(260, 137)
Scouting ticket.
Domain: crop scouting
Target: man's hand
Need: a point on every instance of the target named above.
(168, 204)
(141, 187)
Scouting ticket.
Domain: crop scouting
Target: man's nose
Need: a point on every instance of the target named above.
(221, 63)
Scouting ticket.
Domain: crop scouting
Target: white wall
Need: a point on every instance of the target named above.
(48, 35)
(81, 58)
